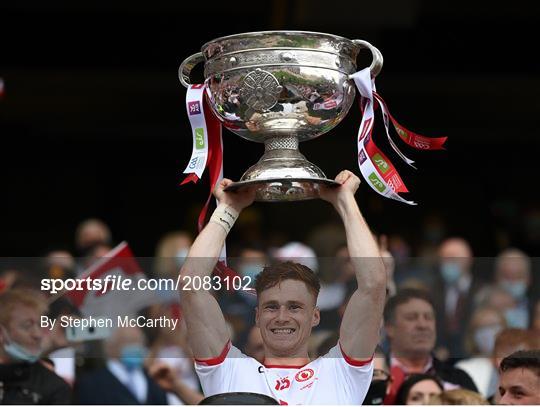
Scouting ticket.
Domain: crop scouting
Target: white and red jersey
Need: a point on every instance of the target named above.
(332, 379)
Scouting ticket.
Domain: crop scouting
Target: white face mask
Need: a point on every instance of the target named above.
(484, 338)
(17, 352)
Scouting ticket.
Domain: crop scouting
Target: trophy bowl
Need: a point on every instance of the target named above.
(280, 88)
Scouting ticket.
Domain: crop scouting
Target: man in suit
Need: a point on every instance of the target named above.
(409, 321)
(123, 380)
(457, 286)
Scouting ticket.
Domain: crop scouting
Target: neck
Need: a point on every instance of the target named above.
(286, 361)
(293, 358)
(414, 363)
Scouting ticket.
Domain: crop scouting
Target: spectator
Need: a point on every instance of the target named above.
(56, 346)
(60, 264)
(507, 342)
(169, 348)
(380, 383)
(457, 287)
(171, 252)
(535, 318)
(163, 374)
(484, 326)
(239, 305)
(513, 274)
(458, 397)
(410, 326)
(7, 279)
(494, 296)
(91, 233)
(25, 380)
(417, 389)
(520, 378)
(122, 380)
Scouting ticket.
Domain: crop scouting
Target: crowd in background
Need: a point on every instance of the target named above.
(449, 322)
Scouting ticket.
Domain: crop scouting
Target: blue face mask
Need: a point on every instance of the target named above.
(17, 352)
(516, 318)
(484, 338)
(516, 289)
(450, 272)
(132, 356)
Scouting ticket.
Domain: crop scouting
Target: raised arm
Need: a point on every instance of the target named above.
(359, 332)
(207, 331)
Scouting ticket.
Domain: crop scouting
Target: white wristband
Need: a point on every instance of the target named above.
(225, 216)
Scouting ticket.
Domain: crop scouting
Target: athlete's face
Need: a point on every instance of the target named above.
(285, 314)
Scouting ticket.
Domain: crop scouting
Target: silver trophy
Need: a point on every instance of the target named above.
(280, 88)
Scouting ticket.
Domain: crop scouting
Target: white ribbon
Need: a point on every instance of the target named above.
(195, 111)
(365, 86)
(386, 119)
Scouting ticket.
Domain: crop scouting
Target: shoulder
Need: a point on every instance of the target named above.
(49, 376)
(55, 389)
(454, 375)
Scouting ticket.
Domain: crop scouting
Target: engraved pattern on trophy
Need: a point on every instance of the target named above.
(260, 90)
(281, 88)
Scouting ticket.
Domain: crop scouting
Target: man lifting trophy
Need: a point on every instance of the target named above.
(281, 88)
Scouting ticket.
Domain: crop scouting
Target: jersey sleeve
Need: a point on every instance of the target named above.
(216, 374)
(353, 376)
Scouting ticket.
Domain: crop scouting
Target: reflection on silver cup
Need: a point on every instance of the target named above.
(280, 88)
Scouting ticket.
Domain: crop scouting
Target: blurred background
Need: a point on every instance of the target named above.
(94, 138)
(93, 121)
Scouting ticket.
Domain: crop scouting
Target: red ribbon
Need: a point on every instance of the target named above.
(411, 138)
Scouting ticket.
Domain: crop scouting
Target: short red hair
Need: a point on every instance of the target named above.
(273, 275)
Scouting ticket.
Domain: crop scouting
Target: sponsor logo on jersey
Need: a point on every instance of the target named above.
(304, 375)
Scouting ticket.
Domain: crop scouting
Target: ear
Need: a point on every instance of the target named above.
(316, 317)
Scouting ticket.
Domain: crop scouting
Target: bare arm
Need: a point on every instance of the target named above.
(207, 330)
(359, 332)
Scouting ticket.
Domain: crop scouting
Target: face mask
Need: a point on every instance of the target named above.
(18, 352)
(251, 271)
(180, 256)
(516, 318)
(516, 289)
(484, 338)
(376, 393)
(132, 356)
(450, 272)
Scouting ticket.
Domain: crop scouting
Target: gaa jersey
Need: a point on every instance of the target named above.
(332, 379)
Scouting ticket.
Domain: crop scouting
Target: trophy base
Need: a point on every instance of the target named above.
(284, 189)
(283, 174)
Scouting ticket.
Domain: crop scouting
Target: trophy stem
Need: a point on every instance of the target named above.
(280, 143)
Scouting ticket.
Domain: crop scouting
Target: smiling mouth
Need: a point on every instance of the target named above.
(283, 331)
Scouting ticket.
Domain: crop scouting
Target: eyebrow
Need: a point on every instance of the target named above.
(274, 302)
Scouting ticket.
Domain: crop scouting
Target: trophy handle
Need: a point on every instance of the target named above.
(186, 67)
(377, 62)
